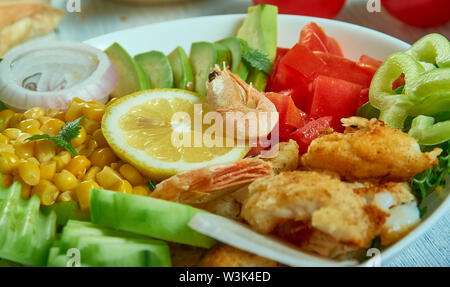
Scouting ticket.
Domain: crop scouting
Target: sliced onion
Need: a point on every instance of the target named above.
(51, 74)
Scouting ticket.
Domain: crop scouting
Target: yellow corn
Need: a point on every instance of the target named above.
(90, 125)
(92, 173)
(99, 138)
(47, 191)
(25, 190)
(123, 186)
(28, 125)
(12, 133)
(29, 172)
(102, 157)
(82, 191)
(141, 190)
(30, 159)
(48, 170)
(51, 126)
(65, 180)
(116, 165)
(80, 138)
(57, 114)
(88, 148)
(5, 117)
(7, 180)
(34, 113)
(94, 111)
(4, 139)
(67, 195)
(15, 120)
(108, 177)
(6, 148)
(62, 159)
(44, 150)
(75, 110)
(131, 174)
(24, 148)
(78, 165)
(8, 162)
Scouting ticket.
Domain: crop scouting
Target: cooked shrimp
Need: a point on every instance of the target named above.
(369, 150)
(228, 256)
(286, 158)
(239, 102)
(200, 186)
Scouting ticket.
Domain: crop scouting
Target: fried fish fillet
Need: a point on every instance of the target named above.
(228, 256)
(369, 150)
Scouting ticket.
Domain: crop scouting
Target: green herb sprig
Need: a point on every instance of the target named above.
(64, 137)
(256, 59)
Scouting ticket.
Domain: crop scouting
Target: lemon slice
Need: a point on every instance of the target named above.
(139, 128)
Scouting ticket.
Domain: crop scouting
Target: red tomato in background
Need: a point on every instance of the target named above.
(419, 13)
(317, 8)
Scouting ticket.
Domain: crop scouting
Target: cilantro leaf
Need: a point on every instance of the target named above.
(64, 137)
(258, 60)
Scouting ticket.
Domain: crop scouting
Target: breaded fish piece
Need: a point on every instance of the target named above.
(319, 199)
(369, 150)
(287, 158)
(228, 256)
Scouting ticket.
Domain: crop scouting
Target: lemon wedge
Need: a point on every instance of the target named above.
(139, 128)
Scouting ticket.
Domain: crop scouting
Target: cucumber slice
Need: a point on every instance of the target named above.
(65, 211)
(147, 216)
(223, 55)
(157, 67)
(236, 48)
(203, 57)
(182, 71)
(131, 77)
(25, 233)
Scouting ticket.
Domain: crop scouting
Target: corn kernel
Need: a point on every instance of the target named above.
(8, 162)
(131, 174)
(90, 126)
(80, 138)
(48, 170)
(99, 138)
(103, 156)
(65, 180)
(141, 190)
(23, 147)
(62, 159)
(82, 192)
(4, 139)
(25, 190)
(116, 165)
(75, 110)
(15, 120)
(88, 148)
(6, 148)
(92, 173)
(28, 125)
(51, 126)
(34, 113)
(30, 159)
(57, 114)
(47, 191)
(12, 133)
(124, 186)
(29, 172)
(7, 180)
(5, 117)
(67, 195)
(108, 177)
(94, 111)
(78, 165)
(44, 150)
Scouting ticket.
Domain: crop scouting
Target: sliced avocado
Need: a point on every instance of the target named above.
(131, 77)
(236, 48)
(203, 57)
(223, 55)
(148, 216)
(157, 67)
(259, 30)
(182, 71)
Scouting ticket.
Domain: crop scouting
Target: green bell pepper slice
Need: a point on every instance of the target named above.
(428, 132)
(394, 107)
(433, 49)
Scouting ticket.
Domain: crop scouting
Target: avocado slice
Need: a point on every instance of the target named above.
(181, 68)
(157, 67)
(203, 57)
(235, 45)
(259, 30)
(131, 77)
(148, 216)
(223, 55)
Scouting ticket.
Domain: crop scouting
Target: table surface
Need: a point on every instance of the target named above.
(98, 17)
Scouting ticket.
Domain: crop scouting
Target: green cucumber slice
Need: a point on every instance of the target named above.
(146, 216)
(235, 46)
(203, 57)
(223, 55)
(157, 67)
(182, 71)
(65, 211)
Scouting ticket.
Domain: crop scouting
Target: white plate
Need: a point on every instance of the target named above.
(355, 40)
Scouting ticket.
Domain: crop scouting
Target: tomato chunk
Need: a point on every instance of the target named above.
(289, 115)
(305, 135)
(303, 61)
(314, 38)
(334, 47)
(336, 98)
(280, 54)
(368, 63)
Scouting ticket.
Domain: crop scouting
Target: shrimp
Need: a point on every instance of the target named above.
(369, 150)
(228, 256)
(286, 158)
(239, 102)
(200, 186)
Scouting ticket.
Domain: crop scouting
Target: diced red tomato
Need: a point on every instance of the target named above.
(334, 47)
(289, 114)
(336, 98)
(363, 97)
(314, 38)
(280, 53)
(302, 96)
(303, 61)
(399, 82)
(369, 63)
(344, 69)
(305, 135)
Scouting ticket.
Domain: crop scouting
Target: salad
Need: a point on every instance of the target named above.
(117, 155)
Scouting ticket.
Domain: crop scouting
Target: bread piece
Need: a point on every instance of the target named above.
(21, 21)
